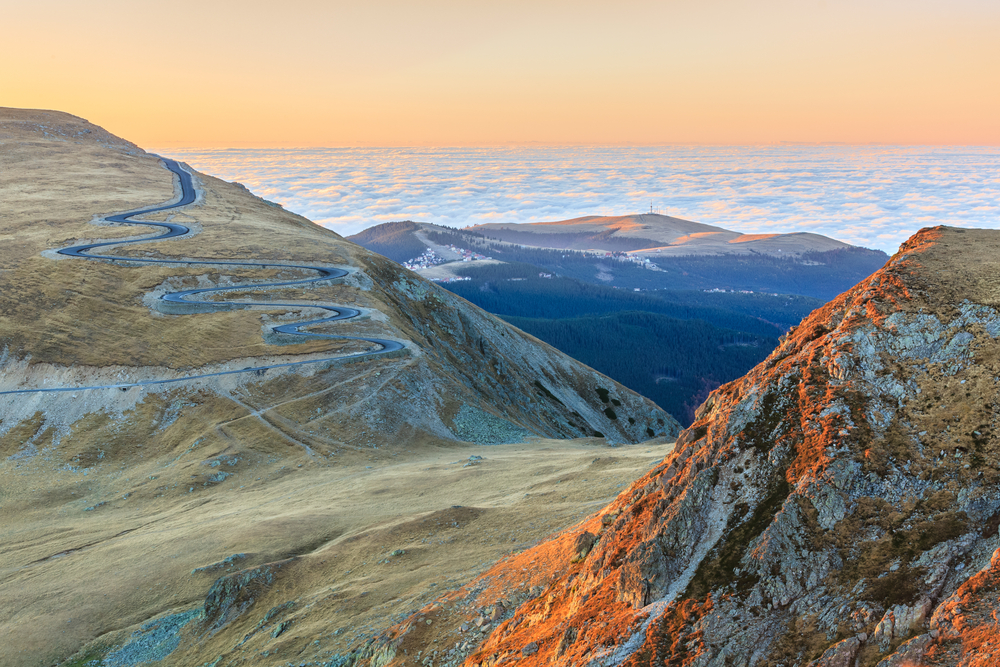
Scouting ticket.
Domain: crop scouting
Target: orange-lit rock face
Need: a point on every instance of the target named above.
(829, 508)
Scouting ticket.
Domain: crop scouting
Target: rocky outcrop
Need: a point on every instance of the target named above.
(829, 508)
(231, 595)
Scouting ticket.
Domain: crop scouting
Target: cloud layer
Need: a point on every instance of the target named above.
(873, 196)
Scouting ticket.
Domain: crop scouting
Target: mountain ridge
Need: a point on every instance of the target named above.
(653, 233)
(800, 263)
(398, 288)
(122, 505)
(835, 507)
(752, 294)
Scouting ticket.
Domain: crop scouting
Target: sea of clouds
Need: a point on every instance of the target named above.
(873, 196)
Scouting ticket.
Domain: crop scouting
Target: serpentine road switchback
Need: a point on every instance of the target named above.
(174, 230)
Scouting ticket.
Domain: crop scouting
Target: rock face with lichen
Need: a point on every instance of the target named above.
(837, 506)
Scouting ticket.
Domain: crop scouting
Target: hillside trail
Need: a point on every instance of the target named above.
(187, 197)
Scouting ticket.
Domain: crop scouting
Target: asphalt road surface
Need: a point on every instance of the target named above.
(188, 195)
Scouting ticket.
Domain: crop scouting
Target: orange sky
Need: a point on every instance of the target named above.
(402, 72)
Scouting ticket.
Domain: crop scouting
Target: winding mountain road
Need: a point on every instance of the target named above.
(173, 230)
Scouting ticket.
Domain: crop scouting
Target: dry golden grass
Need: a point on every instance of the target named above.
(76, 311)
(69, 574)
(61, 173)
(109, 499)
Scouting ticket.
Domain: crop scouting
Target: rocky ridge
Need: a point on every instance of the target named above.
(836, 507)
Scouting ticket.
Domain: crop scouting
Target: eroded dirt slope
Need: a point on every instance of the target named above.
(838, 506)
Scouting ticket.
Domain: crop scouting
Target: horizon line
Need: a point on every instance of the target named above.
(539, 144)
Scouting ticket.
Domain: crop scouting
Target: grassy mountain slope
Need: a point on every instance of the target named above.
(111, 500)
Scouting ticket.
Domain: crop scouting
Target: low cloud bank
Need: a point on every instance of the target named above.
(873, 196)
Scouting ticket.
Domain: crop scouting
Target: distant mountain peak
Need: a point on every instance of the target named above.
(655, 233)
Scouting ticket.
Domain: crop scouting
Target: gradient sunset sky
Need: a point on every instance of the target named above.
(401, 73)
